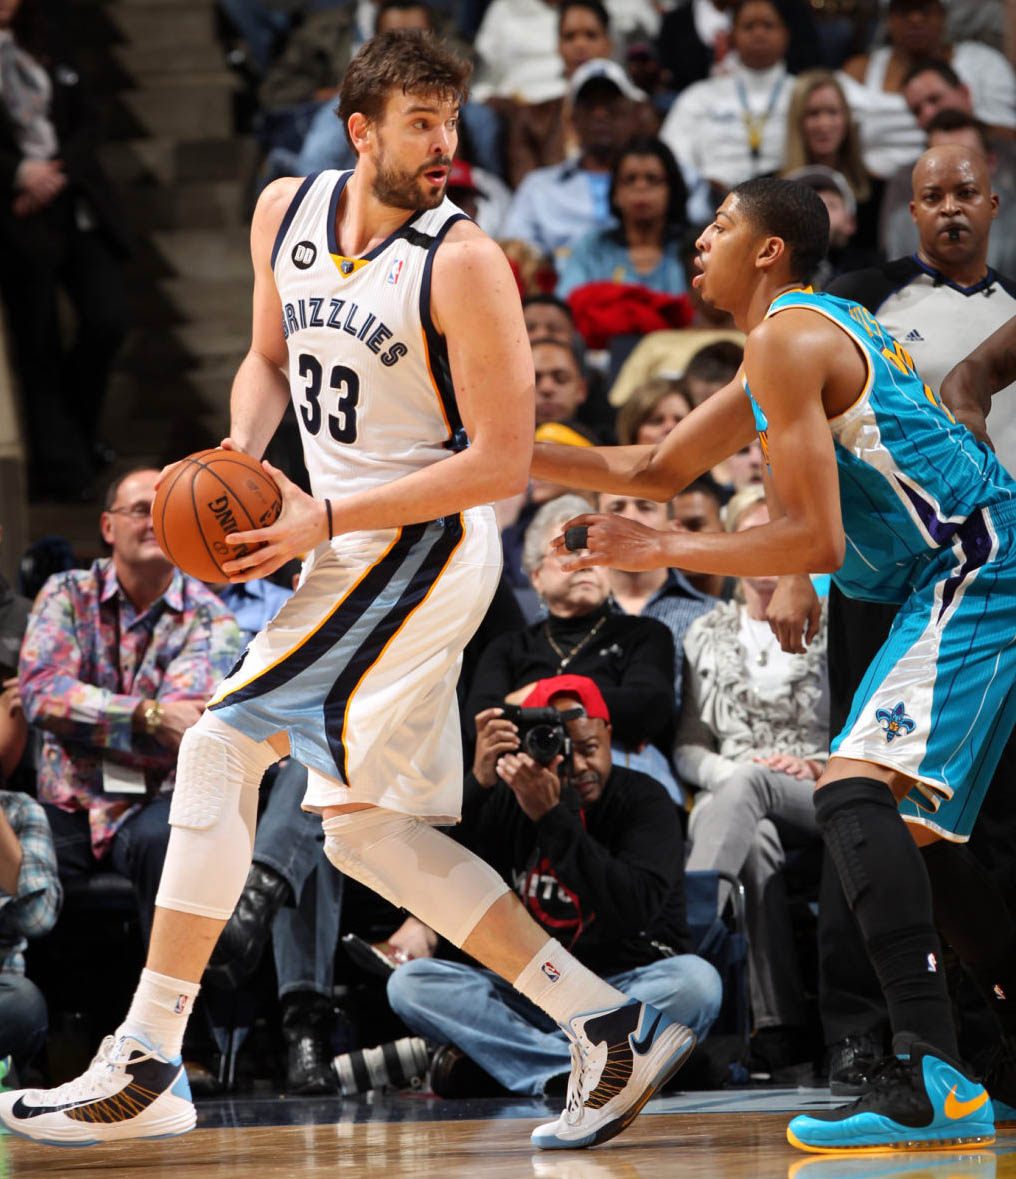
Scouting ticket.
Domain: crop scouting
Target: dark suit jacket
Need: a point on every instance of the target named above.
(73, 117)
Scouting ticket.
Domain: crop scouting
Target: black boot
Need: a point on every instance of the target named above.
(454, 1074)
(242, 941)
(306, 1027)
(852, 1062)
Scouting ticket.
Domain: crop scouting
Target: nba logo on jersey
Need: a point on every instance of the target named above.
(551, 971)
(932, 964)
(396, 270)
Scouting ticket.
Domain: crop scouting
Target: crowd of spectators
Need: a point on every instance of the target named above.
(596, 139)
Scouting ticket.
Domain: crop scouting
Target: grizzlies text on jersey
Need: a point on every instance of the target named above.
(368, 372)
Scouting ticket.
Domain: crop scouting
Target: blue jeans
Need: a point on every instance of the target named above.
(23, 1018)
(511, 1038)
(290, 841)
(137, 850)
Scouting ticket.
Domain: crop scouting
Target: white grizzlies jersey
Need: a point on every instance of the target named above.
(368, 371)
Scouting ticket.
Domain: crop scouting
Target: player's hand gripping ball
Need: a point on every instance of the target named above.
(203, 499)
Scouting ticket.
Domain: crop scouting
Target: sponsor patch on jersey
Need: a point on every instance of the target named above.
(304, 254)
(396, 270)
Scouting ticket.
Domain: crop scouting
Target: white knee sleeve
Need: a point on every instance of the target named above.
(213, 815)
(414, 866)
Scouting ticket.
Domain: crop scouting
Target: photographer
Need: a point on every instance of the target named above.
(594, 852)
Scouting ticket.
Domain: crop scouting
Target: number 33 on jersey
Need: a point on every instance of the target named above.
(368, 371)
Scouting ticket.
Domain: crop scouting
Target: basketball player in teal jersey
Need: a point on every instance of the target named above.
(394, 325)
(870, 479)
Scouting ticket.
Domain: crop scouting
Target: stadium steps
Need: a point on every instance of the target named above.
(167, 103)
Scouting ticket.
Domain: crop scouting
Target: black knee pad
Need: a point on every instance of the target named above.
(838, 808)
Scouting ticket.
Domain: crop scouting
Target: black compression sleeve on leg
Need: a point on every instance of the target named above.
(886, 886)
(972, 915)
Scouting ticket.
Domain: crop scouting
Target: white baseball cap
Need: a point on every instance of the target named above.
(609, 71)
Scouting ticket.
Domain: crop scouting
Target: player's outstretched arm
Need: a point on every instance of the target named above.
(261, 387)
(786, 362)
(969, 387)
(710, 433)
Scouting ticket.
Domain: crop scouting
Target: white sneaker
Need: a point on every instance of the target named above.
(620, 1057)
(128, 1091)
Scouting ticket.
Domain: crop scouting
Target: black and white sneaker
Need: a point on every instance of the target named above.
(128, 1091)
(620, 1057)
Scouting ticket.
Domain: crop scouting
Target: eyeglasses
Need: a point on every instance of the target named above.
(135, 511)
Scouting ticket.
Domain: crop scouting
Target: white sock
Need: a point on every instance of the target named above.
(560, 985)
(160, 1010)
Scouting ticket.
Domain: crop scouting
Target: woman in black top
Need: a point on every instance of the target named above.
(630, 659)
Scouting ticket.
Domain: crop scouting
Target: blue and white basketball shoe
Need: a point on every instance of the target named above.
(620, 1057)
(919, 1100)
(128, 1091)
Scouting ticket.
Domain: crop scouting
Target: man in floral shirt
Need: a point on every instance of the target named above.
(117, 663)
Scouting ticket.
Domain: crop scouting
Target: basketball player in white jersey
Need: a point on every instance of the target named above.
(399, 326)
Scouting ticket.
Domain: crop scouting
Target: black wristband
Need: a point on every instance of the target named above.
(576, 537)
(328, 511)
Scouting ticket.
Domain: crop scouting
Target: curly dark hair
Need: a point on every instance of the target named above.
(414, 61)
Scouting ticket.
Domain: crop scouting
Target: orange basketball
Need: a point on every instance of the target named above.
(207, 496)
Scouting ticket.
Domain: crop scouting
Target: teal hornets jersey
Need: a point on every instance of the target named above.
(909, 474)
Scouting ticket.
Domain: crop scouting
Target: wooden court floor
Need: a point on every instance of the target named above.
(395, 1142)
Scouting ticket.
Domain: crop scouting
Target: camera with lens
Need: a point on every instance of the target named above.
(543, 732)
(399, 1065)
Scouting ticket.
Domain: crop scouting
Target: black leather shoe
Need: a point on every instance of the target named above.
(306, 1023)
(782, 1055)
(454, 1074)
(852, 1060)
(242, 941)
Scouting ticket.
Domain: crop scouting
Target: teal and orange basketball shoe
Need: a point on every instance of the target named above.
(919, 1099)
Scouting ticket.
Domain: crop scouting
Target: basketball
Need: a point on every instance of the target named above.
(205, 497)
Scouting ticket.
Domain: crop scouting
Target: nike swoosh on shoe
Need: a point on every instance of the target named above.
(20, 1110)
(955, 1109)
(642, 1046)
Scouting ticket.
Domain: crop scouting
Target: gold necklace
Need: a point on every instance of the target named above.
(565, 659)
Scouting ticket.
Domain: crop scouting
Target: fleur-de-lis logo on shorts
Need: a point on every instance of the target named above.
(896, 723)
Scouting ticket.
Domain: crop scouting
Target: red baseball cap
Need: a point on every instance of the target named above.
(580, 686)
(461, 176)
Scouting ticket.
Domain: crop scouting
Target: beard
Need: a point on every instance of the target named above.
(400, 189)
